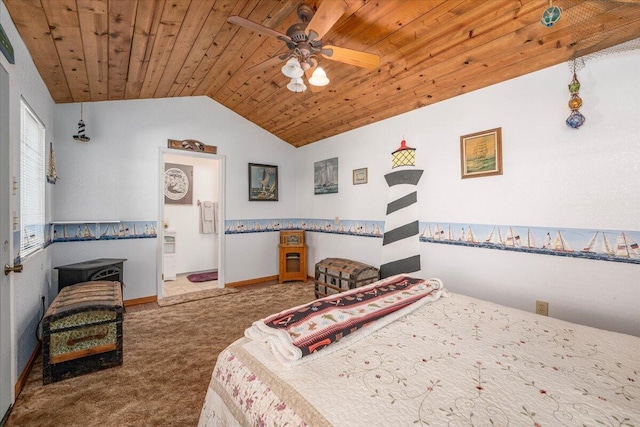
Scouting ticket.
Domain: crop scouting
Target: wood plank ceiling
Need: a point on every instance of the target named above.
(430, 50)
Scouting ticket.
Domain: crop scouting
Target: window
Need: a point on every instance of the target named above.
(32, 177)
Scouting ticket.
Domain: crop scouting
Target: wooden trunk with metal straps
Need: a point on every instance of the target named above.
(82, 330)
(334, 275)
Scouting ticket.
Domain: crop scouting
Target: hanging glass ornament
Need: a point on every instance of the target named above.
(575, 102)
(551, 15)
(574, 86)
(575, 119)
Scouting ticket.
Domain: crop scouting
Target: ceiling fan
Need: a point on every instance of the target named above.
(304, 41)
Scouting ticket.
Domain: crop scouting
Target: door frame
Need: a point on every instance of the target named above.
(7, 335)
(221, 210)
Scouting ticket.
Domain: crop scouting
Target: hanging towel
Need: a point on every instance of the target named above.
(208, 211)
(207, 217)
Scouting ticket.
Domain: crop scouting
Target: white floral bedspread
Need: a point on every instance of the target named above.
(458, 361)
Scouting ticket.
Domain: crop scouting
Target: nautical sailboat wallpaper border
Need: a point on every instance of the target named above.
(362, 228)
(606, 245)
(83, 231)
(89, 231)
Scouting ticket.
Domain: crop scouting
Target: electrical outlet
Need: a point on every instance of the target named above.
(336, 220)
(542, 308)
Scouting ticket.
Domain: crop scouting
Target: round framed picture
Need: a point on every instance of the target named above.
(178, 184)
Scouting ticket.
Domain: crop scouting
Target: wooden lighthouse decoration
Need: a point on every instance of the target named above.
(400, 245)
(81, 137)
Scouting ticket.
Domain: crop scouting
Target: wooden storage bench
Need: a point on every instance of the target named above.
(334, 275)
(82, 330)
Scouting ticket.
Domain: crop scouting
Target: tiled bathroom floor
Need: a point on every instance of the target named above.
(182, 286)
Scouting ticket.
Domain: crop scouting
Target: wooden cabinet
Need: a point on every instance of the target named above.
(293, 256)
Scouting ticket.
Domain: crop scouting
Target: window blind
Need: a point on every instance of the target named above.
(32, 178)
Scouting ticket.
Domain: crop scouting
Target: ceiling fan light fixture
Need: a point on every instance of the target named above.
(305, 65)
(296, 85)
(319, 77)
(292, 69)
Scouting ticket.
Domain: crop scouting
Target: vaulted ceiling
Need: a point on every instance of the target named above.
(430, 50)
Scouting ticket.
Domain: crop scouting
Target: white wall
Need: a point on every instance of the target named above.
(115, 176)
(194, 251)
(553, 176)
(28, 286)
(139, 267)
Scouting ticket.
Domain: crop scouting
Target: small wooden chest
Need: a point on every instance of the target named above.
(334, 275)
(82, 330)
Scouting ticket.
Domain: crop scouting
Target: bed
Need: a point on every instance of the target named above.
(452, 360)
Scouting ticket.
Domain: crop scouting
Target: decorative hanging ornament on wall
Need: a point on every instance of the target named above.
(575, 119)
(81, 137)
(551, 15)
(52, 174)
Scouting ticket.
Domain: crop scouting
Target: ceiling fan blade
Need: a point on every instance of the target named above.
(243, 22)
(351, 57)
(327, 14)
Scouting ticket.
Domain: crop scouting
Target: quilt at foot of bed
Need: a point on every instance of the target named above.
(237, 396)
(215, 413)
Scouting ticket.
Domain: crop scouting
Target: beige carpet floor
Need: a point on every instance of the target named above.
(169, 355)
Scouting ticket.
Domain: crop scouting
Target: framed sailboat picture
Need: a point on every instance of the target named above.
(263, 183)
(481, 153)
(325, 176)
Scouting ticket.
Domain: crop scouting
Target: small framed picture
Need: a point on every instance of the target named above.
(263, 183)
(360, 176)
(481, 153)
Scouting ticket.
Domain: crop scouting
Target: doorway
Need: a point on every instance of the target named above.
(6, 348)
(191, 229)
